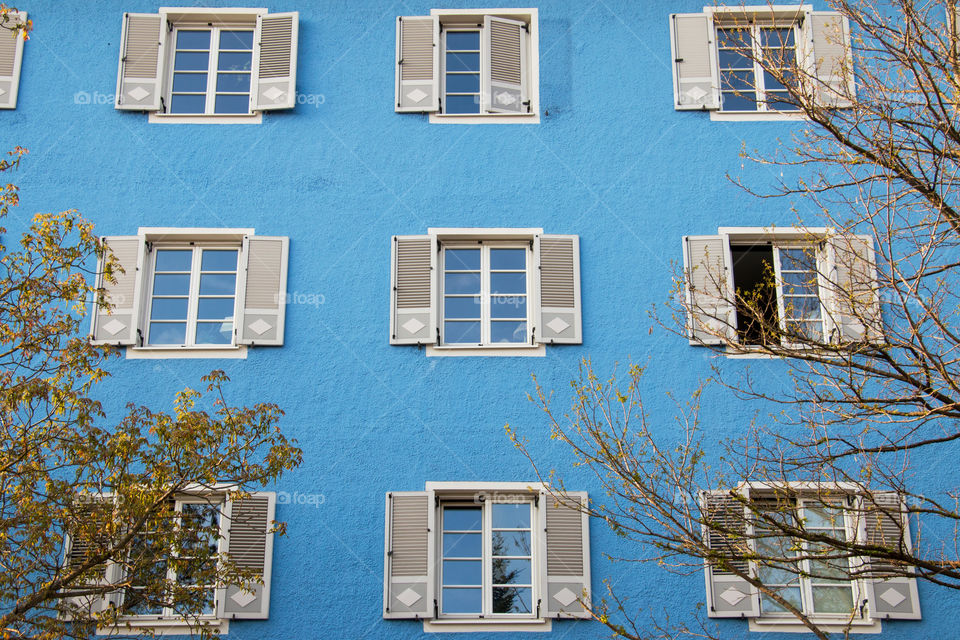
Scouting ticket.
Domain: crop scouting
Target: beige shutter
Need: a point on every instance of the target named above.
(831, 63)
(696, 83)
(505, 66)
(711, 317)
(418, 64)
(408, 564)
(249, 545)
(728, 595)
(852, 300)
(413, 285)
(263, 291)
(80, 541)
(140, 74)
(565, 579)
(275, 56)
(889, 595)
(118, 325)
(11, 58)
(557, 263)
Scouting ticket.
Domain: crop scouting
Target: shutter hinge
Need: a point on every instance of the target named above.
(678, 59)
(531, 244)
(169, 27)
(149, 247)
(438, 344)
(140, 337)
(163, 105)
(436, 498)
(526, 27)
(538, 608)
(533, 342)
(436, 609)
(536, 500)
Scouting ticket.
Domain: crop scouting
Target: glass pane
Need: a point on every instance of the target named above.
(171, 284)
(233, 82)
(508, 259)
(463, 62)
(781, 102)
(468, 308)
(462, 572)
(776, 38)
(174, 259)
(462, 259)
(462, 518)
(461, 283)
(207, 606)
(810, 330)
(508, 307)
(823, 516)
(511, 571)
(772, 84)
(462, 545)
(833, 599)
(742, 81)
(232, 104)
(736, 38)
(802, 281)
(805, 308)
(236, 39)
(168, 333)
(169, 309)
(191, 61)
(790, 594)
(136, 604)
(463, 83)
(502, 331)
(743, 102)
(234, 61)
(511, 600)
(187, 104)
(508, 282)
(511, 516)
(462, 104)
(462, 600)
(193, 39)
(218, 260)
(461, 332)
(511, 543)
(196, 82)
(215, 308)
(214, 332)
(218, 284)
(798, 259)
(735, 59)
(463, 40)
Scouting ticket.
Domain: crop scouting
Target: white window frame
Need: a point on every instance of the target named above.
(212, 72)
(755, 29)
(461, 17)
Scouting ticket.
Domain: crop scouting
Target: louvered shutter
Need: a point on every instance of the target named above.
(11, 57)
(560, 315)
(886, 525)
(79, 542)
(565, 570)
(418, 64)
(408, 566)
(711, 316)
(264, 290)
(696, 83)
(728, 595)
(118, 326)
(249, 545)
(853, 304)
(275, 56)
(831, 62)
(413, 290)
(140, 75)
(505, 67)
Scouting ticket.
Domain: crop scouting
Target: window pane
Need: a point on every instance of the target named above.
(174, 259)
(214, 332)
(461, 332)
(833, 599)
(215, 308)
(218, 260)
(135, 603)
(462, 545)
(462, 600)
(196, 82)
(234, 61)
(461, 283)
(511, 600)
(462, 572)
(790, 594)
(511, 571)
(746, 101)
(502, 331)
(191, 61)
(232, 104)
(735, 59)
(801, 281)
(508, 307)
(463, 83)
(802, 308)
(462, 104)
(742, 81)
(508, 282)
(781, 102)
(462, 518)
(823, 517)
(736, 38)
(463, 62)
(218, 284)
(798, 259)
(776, 38)
(187, 104)
(171, 284)
(508, 259)
(462, 259)
(236, 39)
(511, 543)
(168, 332)
(193, 39)
(468, 308)
(511, 516)
(463, 40)
(233, 82)
(168, 309)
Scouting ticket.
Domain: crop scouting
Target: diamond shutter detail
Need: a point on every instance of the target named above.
(408, 575)
(418, 64)
(275, 56)
(711, 317)
(853, 304)
(11, 58)
(412, 290)
(118, 326)
(696, 83)
(886, 524)
(831, 64)
(505, 67)
(263, 290)
(560, 314)
(728, 595)
(140, 73)
(78, 544)
(565, 570)
(249, 545)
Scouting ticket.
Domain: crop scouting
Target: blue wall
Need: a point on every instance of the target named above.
(611, 161)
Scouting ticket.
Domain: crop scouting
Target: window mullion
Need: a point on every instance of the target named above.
(487, 559)
(209, 103)
(485, 292)
(778, 282)
(756, 35)
(194, 299)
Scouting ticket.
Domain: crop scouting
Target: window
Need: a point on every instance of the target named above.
(469, 66)
(223, 65)
(11, 58)
(485, 291)
(723, 60)
(791, 287)
(816, 579)
(193, 293)
(463, 555)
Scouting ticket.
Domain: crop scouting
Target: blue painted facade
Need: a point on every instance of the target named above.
(611, 161)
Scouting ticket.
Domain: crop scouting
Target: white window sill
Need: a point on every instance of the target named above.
(487, 118)
(166, 118)
(525, 351)
(790, 625)
(187, 353)
(487, 625)
(161, 627)
(755, 116)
